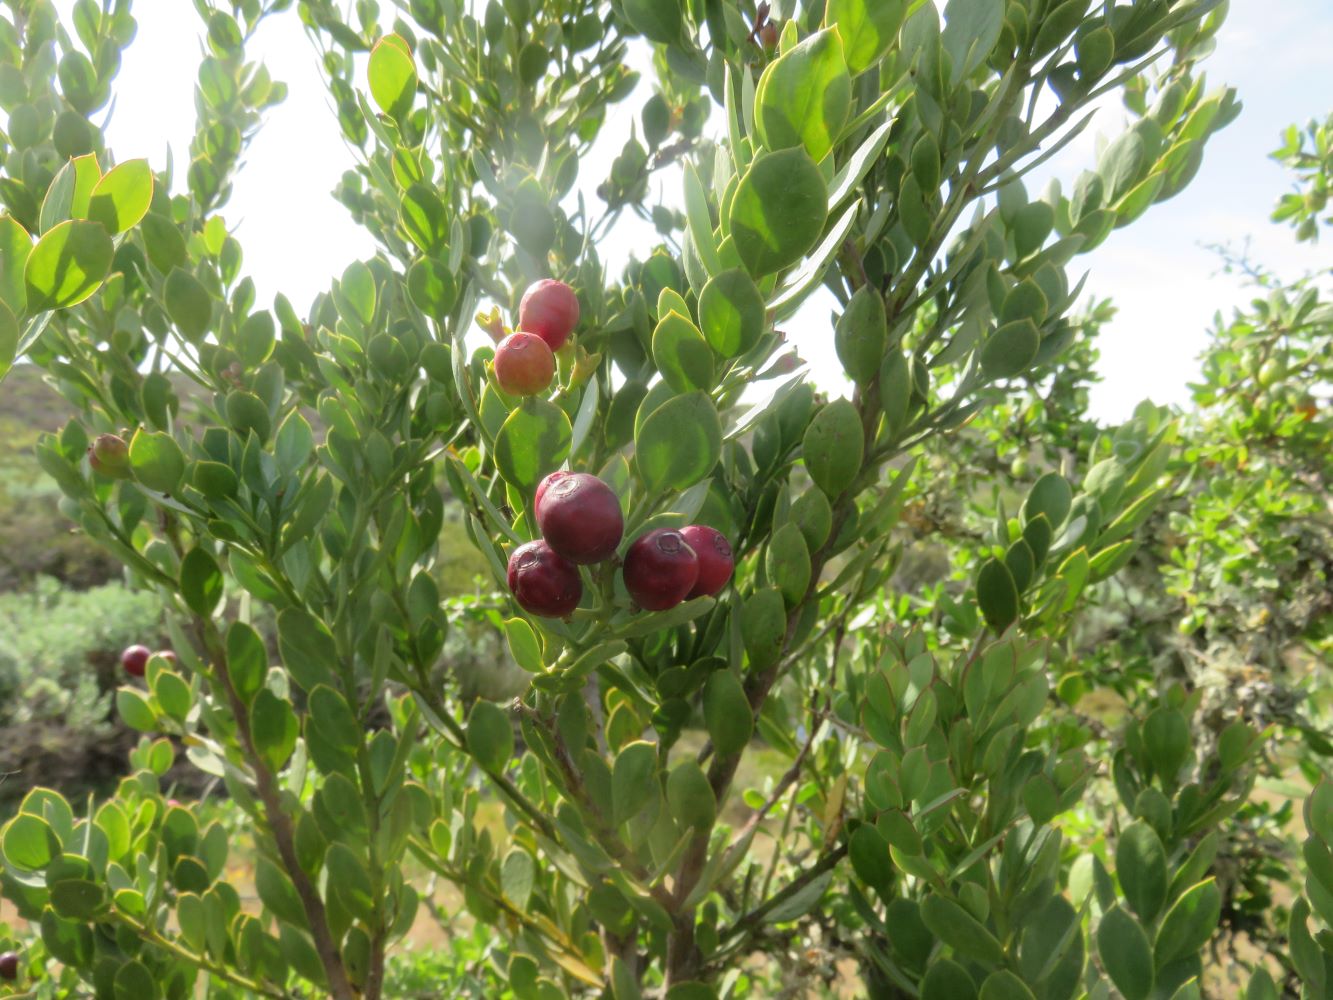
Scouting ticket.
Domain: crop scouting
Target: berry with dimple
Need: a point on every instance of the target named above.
(9, 965)
(110, 455)
(542, 582)
(579, 517)
(135, 660)
(524, 365)
(550, 309)
(713, 551)
(660, 570)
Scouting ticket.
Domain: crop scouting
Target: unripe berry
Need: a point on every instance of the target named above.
(550, 309)
(579, 517)
(110, 456)
(713, 551)
(542, 582)
(9, 965)
(524, 365)
(660, 570)
(135, 659)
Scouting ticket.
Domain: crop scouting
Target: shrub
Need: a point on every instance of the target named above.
(918, 823)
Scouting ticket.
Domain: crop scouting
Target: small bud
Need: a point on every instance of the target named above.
(493, 323)
(109, 455)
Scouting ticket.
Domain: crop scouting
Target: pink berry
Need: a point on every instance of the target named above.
(715, 559)
(524, 365)
(542, 582)
(579, 517)
(550, 309)
(660, 570)
(135, 659)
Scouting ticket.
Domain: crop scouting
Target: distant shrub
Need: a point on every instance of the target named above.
(58, 667)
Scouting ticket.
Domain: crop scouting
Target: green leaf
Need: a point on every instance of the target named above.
(1166, 737)
(133, 981)
(690, 796)
(307, 648)
(247, 660)
(679, 443)
(276, 892)
(960, 930)
(201, 582)
(523, 645)
(163, 240)
(392, 75)
(804, 96)
(868, 28)
(972, 27)
(700, 221)
(423, 218)
(834, 447)
(869, 854)
(947, 980)
(1189, 923)
(727, 713)
(659, 21)
(861, 333)
(1011, 349)
(77, 898)
(681, 354)
(778, 211)
(9, 339)
(67, 265)
(1140, 863)
(633, 780)
(518, 872)
(173, 694)
(1124, 950)
(29, 843)
(350, 881)
(533, 441)
(121, 198)
(157, 460)
(334, 718)
(997, 594)
(1004, 985)
(788, 563)
(432, 287)
(731, 313)
(135, 709)
(273, 727)
(188, 304)
(1050, 495)
(15, 247)
(490, 737)
(764, 627)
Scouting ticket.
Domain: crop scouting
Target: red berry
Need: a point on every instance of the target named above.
(579, 517)
(545, 485)
(167, 655)
(524, 365)
(715, 560)
(550, 309)
(660, 570)
(542, 582)
(134, 659)
(9, 965)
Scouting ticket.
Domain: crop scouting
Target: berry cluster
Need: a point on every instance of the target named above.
(525, 360)
(580, 521)
(577, 514)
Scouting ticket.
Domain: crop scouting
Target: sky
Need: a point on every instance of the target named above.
(1159, 271)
